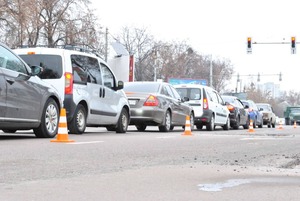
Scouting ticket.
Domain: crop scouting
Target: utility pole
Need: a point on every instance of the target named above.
(106, 44)
(210, 72)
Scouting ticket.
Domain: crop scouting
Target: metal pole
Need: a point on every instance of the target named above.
(210, 72)
(106, 44)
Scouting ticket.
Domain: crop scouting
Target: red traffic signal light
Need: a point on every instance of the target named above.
(293, 42)
(249, 43)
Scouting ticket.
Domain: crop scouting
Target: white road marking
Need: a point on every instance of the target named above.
(91, 142)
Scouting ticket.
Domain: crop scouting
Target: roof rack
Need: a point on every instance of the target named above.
(83, 48)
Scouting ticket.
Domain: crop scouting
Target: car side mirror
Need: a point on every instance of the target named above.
(120, 85)
(185, 99)
(35, 70)
(246, 107)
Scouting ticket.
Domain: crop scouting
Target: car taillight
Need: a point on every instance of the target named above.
(151, 101)
(68, 83)
(230, 107)
(205, 104)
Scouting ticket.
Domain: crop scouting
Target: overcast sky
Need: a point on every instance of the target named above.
(220, 28)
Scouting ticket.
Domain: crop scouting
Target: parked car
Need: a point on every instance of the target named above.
(269, 117)
(238, 113)
(254, 114)
(156, 104)
(210, 109)
(89, 89)
(26, 102)
(291, 115)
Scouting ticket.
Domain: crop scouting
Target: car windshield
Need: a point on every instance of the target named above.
(295, 109)
(191, 93)
(228, 99)
(264, 107)
(141, 87)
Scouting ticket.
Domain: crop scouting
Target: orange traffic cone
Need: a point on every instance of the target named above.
(295, 124)
(280, 125)
(62, 134)
(251, 129)
(187, 128)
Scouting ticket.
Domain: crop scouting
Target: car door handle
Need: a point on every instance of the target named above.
(102, 93)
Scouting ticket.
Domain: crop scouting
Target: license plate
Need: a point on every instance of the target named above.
(132, 102)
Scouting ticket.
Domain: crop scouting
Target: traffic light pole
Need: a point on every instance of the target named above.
(292, 43)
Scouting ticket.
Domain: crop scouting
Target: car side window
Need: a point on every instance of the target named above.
(10, 61)
(108, 77)
(239, 103)
(79, 70)
(169, 91)
(220, 100)
(175, 93)
(214, 97)
(195, 94)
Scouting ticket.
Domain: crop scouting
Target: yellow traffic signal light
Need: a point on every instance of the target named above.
(249, 43)
(293, 42)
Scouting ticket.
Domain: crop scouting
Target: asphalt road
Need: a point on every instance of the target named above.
(153, 166)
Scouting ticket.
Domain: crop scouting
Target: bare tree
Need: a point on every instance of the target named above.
(139, 43)
(50, 23)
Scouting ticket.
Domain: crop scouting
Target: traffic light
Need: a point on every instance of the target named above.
(249, 42)
(249, 45)
(293, 45)
(280, 76)
(293, 42)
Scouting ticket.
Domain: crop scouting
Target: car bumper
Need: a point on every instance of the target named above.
(147, 115)
(204, 119)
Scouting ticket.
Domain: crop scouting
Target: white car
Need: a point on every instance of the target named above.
(89, 89)
(209, 108)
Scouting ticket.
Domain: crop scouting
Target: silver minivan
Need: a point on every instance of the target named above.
(90, 91)
(209, 108)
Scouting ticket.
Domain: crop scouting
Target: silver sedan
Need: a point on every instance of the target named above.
(157, 104)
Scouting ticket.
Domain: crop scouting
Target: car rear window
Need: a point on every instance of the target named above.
(191, 93)
(141, 87)
(51, 64)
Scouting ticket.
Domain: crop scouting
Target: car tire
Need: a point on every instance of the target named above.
(141, 127)
(49, 120)
(167, 123)
(227, 125)
(237, 124)
(210, 126)
(199, 127)
(246, 126)
(78, 123)
(192, 121)
(123, 121)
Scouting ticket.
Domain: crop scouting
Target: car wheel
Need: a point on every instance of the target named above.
(210, 126)
(49, 121)
(199, 127)
(273, 125)
(192, 121)
(123, 121)
(246, 126)
(237, 123)
(227, 125)
(78, 122)
(167, 123)
(141, 127)
(9, 131)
